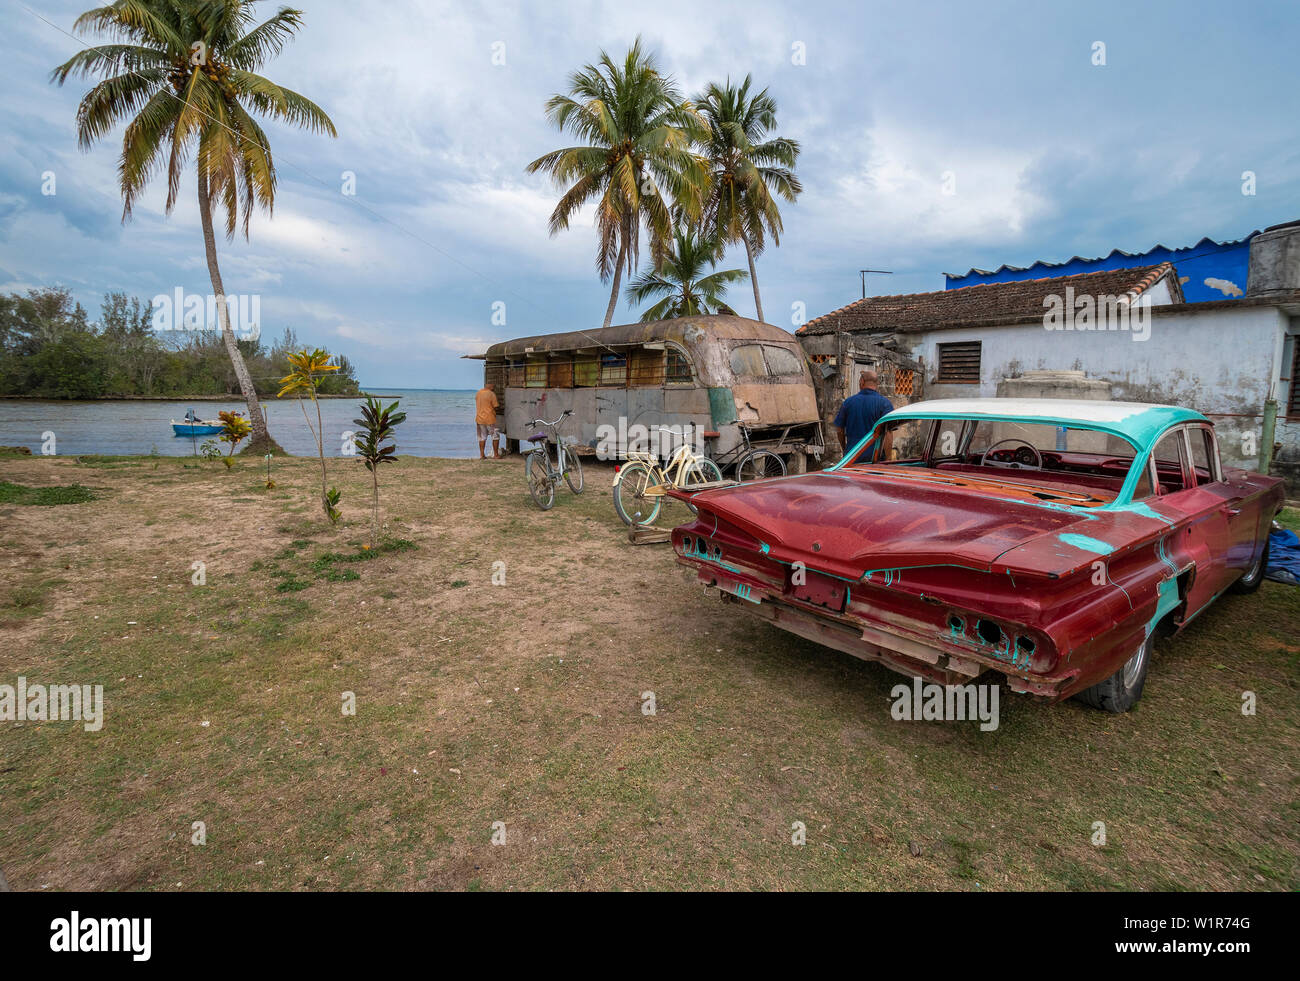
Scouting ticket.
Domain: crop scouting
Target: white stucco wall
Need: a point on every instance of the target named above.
(1220, 362)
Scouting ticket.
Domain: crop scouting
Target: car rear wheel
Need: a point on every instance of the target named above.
(1254, 575)
(1121, 691)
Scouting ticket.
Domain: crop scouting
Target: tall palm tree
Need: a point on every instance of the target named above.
(680, 282)
(182, 75)
(636, 160)
(748, 168)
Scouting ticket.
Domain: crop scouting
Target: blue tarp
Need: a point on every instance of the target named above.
(1284, 557)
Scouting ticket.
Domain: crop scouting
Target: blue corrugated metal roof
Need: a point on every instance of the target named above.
(1208, 270)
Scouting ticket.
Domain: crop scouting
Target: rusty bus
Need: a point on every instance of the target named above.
(737, 382)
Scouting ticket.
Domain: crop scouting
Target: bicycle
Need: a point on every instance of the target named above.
(758, 464)
(640, 485)
(538, 472)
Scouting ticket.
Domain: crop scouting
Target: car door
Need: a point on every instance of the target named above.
(1200, 532)
(1240, 510)
(1212, 503)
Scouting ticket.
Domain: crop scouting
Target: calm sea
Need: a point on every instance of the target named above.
(438, 423)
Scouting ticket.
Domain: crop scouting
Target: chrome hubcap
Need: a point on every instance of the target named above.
(1133, 668)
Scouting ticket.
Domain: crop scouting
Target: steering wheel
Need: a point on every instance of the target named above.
(1015, 464)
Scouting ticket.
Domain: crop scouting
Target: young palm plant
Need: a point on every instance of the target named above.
(377, 424)
(680, 283)
(635, 160)
(183, 77)
(308, 368)
(748, 170)
(234, 430)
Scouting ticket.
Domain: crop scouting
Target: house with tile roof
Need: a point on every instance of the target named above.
(1127, 334)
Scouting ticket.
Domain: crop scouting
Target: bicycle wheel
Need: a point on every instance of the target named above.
(629, 495)
(540, 484)
(703, 472)
(572, 467)
(759, 465)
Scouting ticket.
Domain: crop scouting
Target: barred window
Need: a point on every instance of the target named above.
(613, 370)
(679, 367)
(1293, 401)
(535, 374)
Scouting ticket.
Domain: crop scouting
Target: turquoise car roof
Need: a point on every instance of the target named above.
(1138, 422)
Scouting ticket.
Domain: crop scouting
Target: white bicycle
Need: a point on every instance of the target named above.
(641, 484)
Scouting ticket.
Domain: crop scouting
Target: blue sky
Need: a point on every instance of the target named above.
(1049, 156)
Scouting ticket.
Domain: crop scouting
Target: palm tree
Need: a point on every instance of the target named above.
(306, 370)
(636, 160)
(679, 281)
(182, 75)
(748, 170)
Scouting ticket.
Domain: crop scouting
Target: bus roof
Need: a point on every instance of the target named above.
(687, 330)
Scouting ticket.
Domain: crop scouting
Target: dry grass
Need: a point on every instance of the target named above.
(521, 704)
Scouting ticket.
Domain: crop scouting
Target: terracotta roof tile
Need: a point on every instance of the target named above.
(985, 302)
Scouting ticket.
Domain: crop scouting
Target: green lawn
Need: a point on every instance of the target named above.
(522, 703)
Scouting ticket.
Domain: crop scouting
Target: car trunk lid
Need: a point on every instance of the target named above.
(850, 522)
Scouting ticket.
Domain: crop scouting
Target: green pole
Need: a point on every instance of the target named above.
(1266, 438)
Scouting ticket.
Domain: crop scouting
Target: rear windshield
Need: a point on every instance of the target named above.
(761, 360)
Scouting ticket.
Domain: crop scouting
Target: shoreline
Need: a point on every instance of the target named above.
(173, 398)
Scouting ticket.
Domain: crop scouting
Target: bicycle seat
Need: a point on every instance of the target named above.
(537, 437)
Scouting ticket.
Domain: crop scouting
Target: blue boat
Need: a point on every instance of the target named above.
(196, 429)
(194, 426)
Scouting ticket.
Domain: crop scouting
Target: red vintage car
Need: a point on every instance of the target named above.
(1048, 539)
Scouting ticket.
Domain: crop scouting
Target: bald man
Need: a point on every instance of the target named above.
(859, 413)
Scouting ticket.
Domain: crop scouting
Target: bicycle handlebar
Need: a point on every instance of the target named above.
(559, 419)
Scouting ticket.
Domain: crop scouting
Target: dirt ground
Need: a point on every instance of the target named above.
(516, 710)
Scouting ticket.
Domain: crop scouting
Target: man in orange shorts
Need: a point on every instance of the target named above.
(485, 418)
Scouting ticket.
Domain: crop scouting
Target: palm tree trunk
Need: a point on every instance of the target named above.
(320, 445)
(374, 514)
(260, 437)
(753, 278)
(618, 274)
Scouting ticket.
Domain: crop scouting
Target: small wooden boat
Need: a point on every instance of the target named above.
(199, 427)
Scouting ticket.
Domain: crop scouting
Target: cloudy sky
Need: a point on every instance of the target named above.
(1048, 155)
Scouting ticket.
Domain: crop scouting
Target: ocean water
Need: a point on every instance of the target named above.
(438, 423)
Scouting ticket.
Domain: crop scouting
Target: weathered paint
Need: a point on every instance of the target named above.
(1086, 543)
(922, 552)
(714, 400)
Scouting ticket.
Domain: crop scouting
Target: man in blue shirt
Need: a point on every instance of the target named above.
(860, 412)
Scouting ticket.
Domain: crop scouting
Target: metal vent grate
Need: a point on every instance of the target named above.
(959, 363)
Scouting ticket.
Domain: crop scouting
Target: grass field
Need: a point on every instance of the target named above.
(522, 703)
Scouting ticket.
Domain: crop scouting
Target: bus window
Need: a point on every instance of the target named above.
(747, 360)
(781, 361)
(679, 368)
(645, 368)
(613, 370)
(586, 371)
(559, 374)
